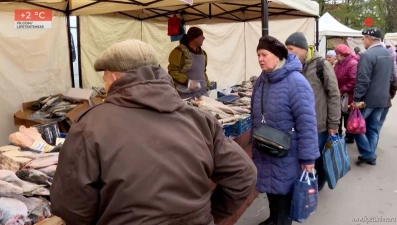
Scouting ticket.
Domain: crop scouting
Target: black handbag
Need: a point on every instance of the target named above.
(270, 140)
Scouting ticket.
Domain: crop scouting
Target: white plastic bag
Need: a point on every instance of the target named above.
(344, 103)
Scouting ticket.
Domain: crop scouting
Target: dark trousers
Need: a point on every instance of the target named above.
(343, 121)
(280, 207)
(319, 166)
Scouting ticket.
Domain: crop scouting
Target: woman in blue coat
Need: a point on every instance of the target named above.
(288, 106)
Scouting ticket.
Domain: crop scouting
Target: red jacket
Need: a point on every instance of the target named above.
(346, 71)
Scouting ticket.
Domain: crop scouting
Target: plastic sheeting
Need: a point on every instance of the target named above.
(231, 47)
(33, 64)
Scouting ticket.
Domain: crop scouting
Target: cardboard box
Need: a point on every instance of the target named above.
(25, 116)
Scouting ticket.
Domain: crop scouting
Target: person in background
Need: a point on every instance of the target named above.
(288, 104)
(331, 57)
(187, 65)
(132, 167)
(357, 50)
(394, 56)
(345, 70)
(373, 86)
(326, 92)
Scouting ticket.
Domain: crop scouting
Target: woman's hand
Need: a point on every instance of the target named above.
(308, 168)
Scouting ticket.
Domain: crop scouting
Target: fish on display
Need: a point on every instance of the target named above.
(41, 162)
(10, 177)
(42, 211)
(12, 207)
(34, 176)
(30, 204)
(42, 191)
(51, 102)
(18, 220)
(9, 189)
(49, 170)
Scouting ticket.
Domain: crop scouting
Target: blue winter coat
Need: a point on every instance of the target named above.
(288, 103)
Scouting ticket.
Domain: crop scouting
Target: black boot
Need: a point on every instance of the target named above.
(321, 179)
(349, 139)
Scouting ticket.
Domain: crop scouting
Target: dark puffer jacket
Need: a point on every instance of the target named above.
(288, 103)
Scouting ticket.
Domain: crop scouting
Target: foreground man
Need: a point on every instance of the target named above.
(373, 86)
(124, 161)
(322, 78)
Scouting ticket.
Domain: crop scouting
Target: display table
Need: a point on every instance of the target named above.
(244, 141)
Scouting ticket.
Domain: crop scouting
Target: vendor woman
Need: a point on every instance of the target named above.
(188, 64)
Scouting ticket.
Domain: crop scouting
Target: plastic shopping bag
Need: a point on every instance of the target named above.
(344, 103)
(336, 160)
(304, 198)
(356, 123)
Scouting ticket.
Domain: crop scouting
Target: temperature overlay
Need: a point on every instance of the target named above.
(33, 19)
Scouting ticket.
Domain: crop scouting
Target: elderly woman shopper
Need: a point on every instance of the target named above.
(345, 70)
(331, 57)
(282, 103)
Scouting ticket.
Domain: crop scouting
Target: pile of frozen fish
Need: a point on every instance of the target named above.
(23, 193)
(227, 115)
(54, 106)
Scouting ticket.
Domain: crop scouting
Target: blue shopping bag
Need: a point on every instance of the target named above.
(304, 198)
(336, 160)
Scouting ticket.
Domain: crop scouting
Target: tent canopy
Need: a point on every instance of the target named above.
(329, 26)
(201, 9)
(391, 36)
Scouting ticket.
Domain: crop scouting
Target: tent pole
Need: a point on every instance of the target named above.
(265, 18)
(79, 52)
(71, 45)
(317, 33)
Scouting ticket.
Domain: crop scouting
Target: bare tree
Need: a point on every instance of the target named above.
(390, 13)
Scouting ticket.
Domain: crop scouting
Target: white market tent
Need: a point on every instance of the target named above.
(231, 28)
(337, 33)
(36, 63)
(391, 39)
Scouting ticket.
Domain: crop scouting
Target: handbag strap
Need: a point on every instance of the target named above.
(262, 105)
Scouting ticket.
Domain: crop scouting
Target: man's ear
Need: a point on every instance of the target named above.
(115, 76)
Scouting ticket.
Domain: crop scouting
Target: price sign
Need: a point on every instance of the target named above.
(33, 19)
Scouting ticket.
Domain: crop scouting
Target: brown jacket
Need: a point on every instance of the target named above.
(327, 95)
(145, 157)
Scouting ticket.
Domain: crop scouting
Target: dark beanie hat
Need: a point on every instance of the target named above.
(193, 33)
(274, 46)
(297, 39)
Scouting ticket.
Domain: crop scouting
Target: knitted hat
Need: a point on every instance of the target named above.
(373, 32)
(274, 46)
(331, 53)
(342, 50)
(297, 39)
(126, 56)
